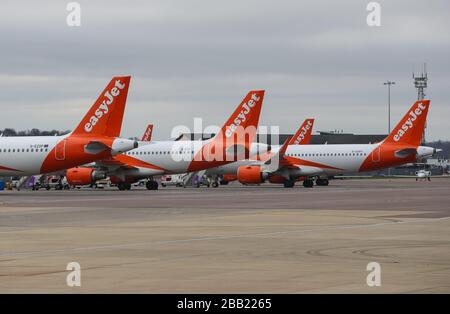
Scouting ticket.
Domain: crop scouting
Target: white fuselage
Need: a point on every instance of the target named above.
(330, 159)
(170, 156)
(21, 156)
(166, 157)
(324, 160)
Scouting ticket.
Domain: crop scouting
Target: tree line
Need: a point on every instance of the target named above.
(32, 132)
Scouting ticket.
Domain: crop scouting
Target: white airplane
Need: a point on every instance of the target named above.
(290, 163)
(96, 137)
(423, 175)
(232, 143)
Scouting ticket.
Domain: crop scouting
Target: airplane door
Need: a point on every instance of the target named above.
(376, 154)
(60, 150)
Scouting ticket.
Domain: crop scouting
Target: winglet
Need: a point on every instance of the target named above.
(106, 114)
(410, 129)
(303, 134)
(147, 136)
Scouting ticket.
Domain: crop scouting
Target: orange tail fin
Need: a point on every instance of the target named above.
(147, 136)
(245, 116)
(239, 131)
(233, 140)
(303, 134)
(410, 129)
(106, 114)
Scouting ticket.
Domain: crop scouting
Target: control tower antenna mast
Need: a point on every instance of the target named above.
(421, 83)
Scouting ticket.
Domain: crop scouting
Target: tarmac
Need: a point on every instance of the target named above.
(232, 239)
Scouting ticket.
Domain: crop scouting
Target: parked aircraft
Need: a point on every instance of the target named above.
(308, 162)
(232, 143)
(96, 137)
(321, 161)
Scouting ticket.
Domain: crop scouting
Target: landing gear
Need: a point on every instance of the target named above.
(308, 183)
(322, 182)
(124, 186)
(215, 184)
(151, 185)
(288, 183)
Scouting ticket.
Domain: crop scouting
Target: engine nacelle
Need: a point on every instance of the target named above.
(424, 151)
(250, 175)
(121, 145)
(83, 176)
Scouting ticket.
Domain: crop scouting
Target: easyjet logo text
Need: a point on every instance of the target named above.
(303, 132)
(242, 116)
(409, 123)
(103, 108)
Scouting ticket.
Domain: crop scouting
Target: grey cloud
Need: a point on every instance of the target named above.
(198, 58)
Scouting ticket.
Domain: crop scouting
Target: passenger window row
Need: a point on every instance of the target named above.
(158, 152)
(23, 150)
(326, 154)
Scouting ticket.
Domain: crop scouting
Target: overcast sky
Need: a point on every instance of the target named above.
(198, 58)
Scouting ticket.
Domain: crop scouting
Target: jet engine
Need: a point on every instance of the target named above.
(251, 175)
(84, 176)
(121, 145)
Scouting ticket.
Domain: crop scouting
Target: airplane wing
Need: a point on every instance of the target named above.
(125, 162)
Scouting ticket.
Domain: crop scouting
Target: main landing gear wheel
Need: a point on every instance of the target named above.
(308, 183)
(215, 184)
(151, 185)
(289, 183)
(124, 186)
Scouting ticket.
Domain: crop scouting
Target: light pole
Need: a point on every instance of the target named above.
(389, 83)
